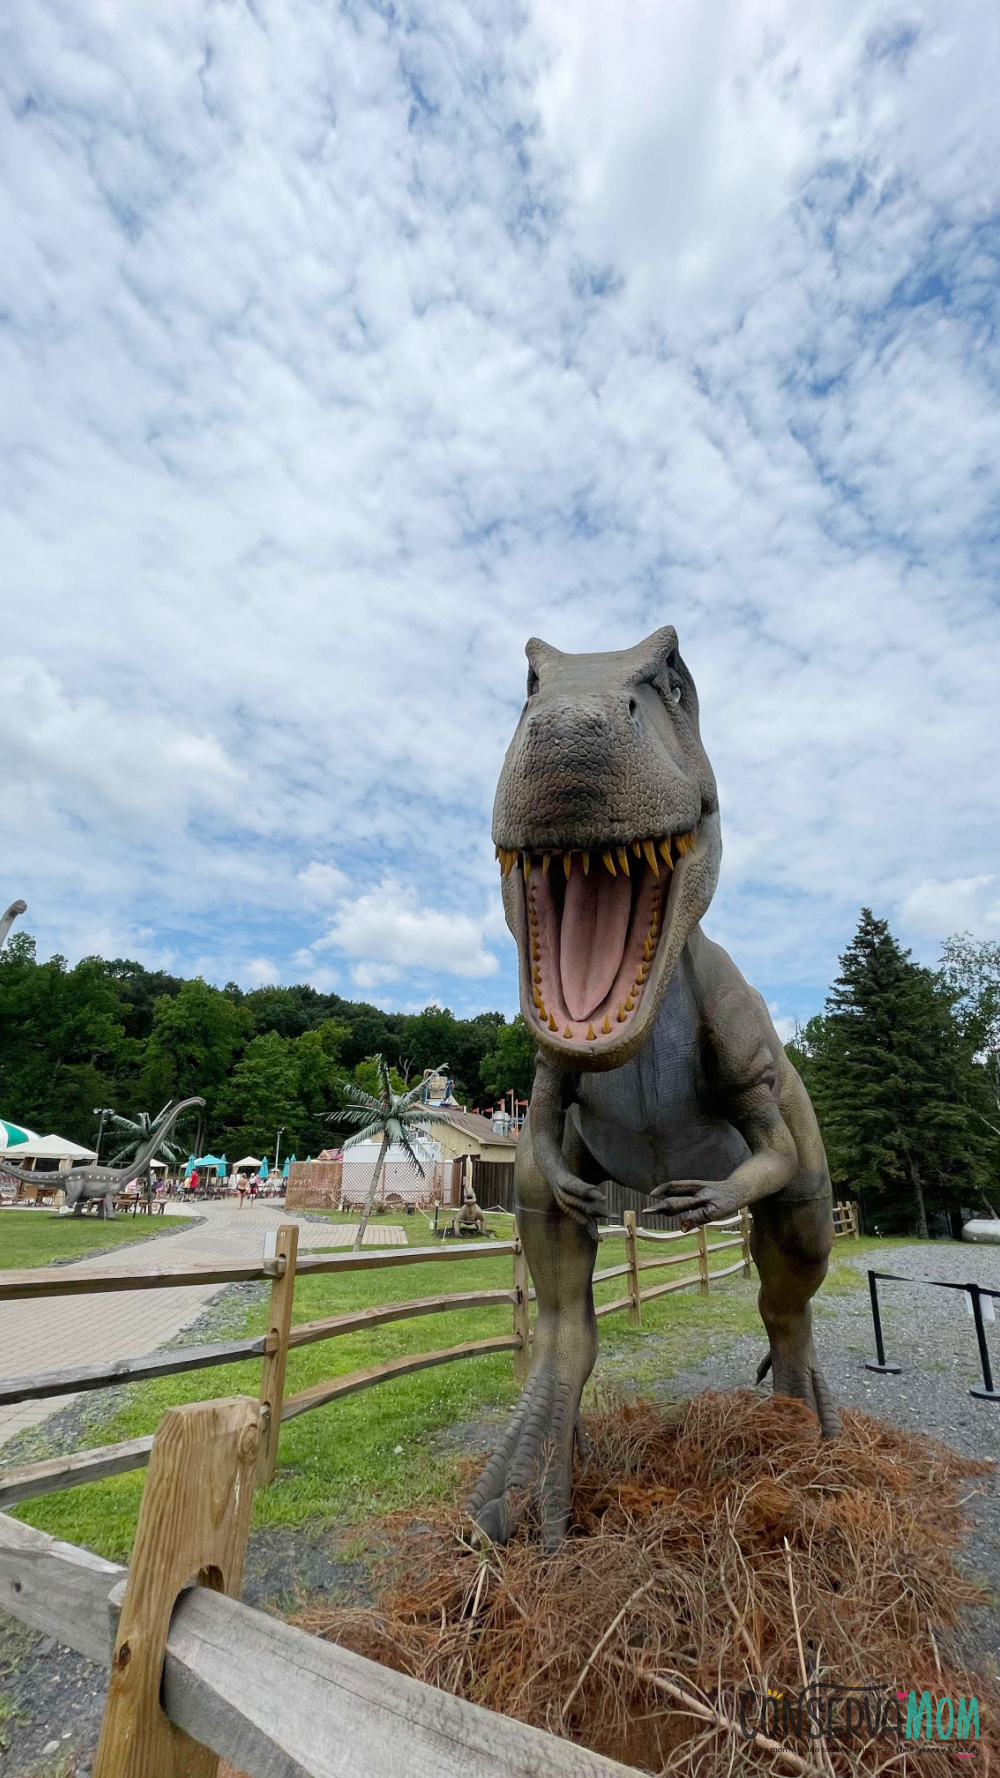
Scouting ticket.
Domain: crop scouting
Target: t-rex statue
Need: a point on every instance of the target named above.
(657, 1065)
(83, 1183)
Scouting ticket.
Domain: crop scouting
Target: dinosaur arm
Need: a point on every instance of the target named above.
(549, 1098)
(746, 1063)
(771, 1165)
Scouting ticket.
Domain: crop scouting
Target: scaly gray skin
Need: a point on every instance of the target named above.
(84, 1183)
(658, 1065)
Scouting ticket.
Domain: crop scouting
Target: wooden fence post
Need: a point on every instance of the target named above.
(522, 1285)
(632, 1256)
(193, 1524)
(745, 1232)
(272, 1379)
(855, 1226)
(702, 1262)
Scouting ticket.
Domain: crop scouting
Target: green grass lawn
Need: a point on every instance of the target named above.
(34, 1237)
(379, 1450)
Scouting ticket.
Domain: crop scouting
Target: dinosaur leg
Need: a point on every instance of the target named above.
(791, 1246)
(531, 1469)
(109, 1204)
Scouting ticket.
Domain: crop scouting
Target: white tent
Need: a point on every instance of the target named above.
(249, 1160)
(49, 1148)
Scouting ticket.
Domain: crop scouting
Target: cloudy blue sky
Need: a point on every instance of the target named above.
(344, 346)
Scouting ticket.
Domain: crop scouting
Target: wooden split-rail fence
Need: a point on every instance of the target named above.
(283, 1265)
(195, 1675)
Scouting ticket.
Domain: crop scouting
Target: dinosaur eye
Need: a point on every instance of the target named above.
(673, 694)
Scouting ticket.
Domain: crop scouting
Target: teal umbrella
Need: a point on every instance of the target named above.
(264, 1169)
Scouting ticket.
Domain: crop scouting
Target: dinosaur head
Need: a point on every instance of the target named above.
(606, 825)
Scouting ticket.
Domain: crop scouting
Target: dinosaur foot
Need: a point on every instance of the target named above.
(802, 1378)
(531, 1471)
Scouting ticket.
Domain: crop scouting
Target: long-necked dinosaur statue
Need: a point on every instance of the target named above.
(658, 1066)
(83, 1183)
(8, 917)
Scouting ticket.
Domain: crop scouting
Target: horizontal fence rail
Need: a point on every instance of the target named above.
(282, 1265)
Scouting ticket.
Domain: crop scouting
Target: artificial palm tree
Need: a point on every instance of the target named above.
(134, 1133)
(395, 1117)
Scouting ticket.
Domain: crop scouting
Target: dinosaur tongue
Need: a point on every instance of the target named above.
(592, 937)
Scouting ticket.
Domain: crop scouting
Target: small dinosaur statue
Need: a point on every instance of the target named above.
(468, 1216)
(657, 1065)
(83, 1183)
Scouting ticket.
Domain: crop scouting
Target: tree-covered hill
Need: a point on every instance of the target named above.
(115, 1034)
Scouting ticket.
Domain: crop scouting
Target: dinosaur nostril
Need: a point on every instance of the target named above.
(632, 706)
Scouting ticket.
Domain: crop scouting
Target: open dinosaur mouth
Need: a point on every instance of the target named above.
(594, 925)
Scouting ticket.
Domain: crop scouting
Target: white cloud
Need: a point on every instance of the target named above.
(342, 350)
(322, 884)
(260, 972)
(389, 932)
(936, 909)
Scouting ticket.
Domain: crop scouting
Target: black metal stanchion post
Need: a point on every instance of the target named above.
(987, 1392)
(887, 1369)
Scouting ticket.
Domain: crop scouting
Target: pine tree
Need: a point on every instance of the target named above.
(891, 1073)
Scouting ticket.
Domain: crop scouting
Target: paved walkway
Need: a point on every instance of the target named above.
(56, 1332)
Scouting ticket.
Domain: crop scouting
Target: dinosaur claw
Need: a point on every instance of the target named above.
(493, 1520)
(764, 1366)
(531, 1469)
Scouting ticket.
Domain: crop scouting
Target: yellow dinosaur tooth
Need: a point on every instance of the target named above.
(622, 1014)
(647, 951)
(542, 1011)
(651, 859)
(606, 1027)
(568, 1031)
(637, 849)
(629, 1003)
(591, 1034)
(586, 862)
(546, 861)
(623, 860)
(536, 974)
(609, 863)
(527, 865)
(552, 1024)
(567, 858)
(536, 997)
(665, 854)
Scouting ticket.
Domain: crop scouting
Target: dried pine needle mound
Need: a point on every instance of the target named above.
(720, 1551)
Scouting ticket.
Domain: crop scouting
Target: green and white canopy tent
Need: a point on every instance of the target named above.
(14, 1136)
(19, 1144)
